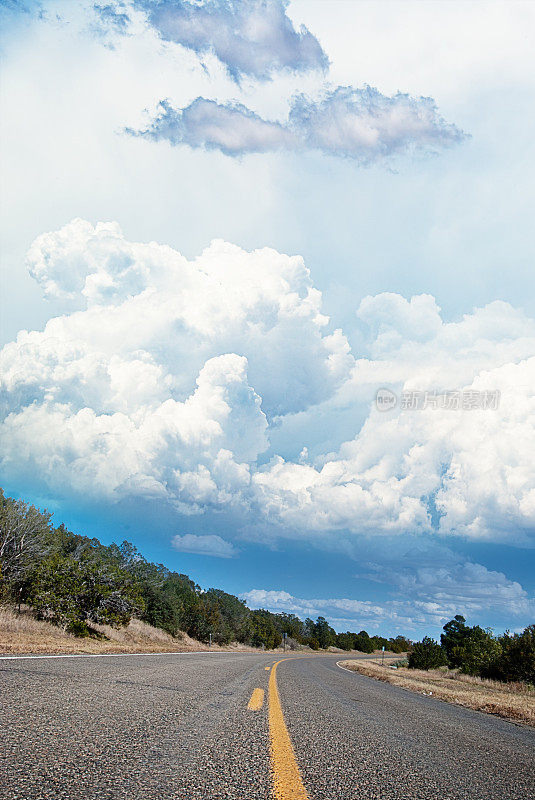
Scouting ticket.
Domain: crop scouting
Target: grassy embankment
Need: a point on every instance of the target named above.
(22, 633)
(513, 701)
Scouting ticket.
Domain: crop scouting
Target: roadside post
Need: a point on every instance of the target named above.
(284, 635)
(383, 658)
(210, 642)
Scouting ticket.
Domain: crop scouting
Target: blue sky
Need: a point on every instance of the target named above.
(225, 227)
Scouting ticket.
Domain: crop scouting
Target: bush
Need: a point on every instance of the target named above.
(363, 642)
(427, 654)
(517, 659)
(74, 591)
(478, 652)
(400, 644)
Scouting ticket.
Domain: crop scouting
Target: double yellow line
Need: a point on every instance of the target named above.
(287, 781)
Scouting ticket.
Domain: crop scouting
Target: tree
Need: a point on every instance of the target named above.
(455, 632)
(74, 591)
(291, 625)
(363, 642)
(380, 642)
(262, 630)
(23, 540)
(325, 635)
(517, 659)
(427, 654)
(400, 644)
(346, 641)
(478, 651)
(162, 608)
(233, 616)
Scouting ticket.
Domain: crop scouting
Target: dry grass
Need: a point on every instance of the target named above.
(513, 701)
(22, 633)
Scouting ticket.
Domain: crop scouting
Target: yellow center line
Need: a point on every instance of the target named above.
(287, 782)
(256, 701)
(267, 668)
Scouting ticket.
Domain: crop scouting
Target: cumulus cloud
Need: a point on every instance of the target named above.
(193, 453)
(165, 378)
(173, 314)
(204, 545)
(145, 387)
(434, 470)
(361, 124)
(254, 39)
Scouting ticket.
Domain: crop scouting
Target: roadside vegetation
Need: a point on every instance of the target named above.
(512, 700)
(75, 586)
(469, 667)
(477, 652)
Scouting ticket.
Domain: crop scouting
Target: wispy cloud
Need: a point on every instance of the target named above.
(254, 38)
(20, 7)
(424, 598)
(112, 16)
(361, 124)
(231, 128)
(204, 545)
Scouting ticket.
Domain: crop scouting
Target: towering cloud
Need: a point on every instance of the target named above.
(145, 386)
(166, 378)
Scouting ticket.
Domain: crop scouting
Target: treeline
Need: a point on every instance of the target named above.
(476, 651)
(76, 582)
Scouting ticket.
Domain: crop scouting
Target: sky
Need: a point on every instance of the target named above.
(267, 296)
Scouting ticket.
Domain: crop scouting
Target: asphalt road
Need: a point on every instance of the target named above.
(179, 726)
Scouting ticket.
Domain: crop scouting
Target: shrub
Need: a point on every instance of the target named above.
(363, 642)
(75, 591)
(427, 654)
(478, 652)
(517, 659)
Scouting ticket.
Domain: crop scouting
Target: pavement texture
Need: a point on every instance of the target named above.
(179, 726)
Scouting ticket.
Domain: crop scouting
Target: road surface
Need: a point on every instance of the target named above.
(215, 725)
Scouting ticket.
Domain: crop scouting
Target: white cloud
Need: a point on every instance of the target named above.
(253, 38)
(474, 466)
(148, 300)
(360, 124)
(257, 598)
(452, 472)
(167, 377)
(145, 387)
(193, 453)
(204, 545)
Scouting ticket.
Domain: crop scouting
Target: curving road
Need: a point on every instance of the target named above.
(192, 726)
